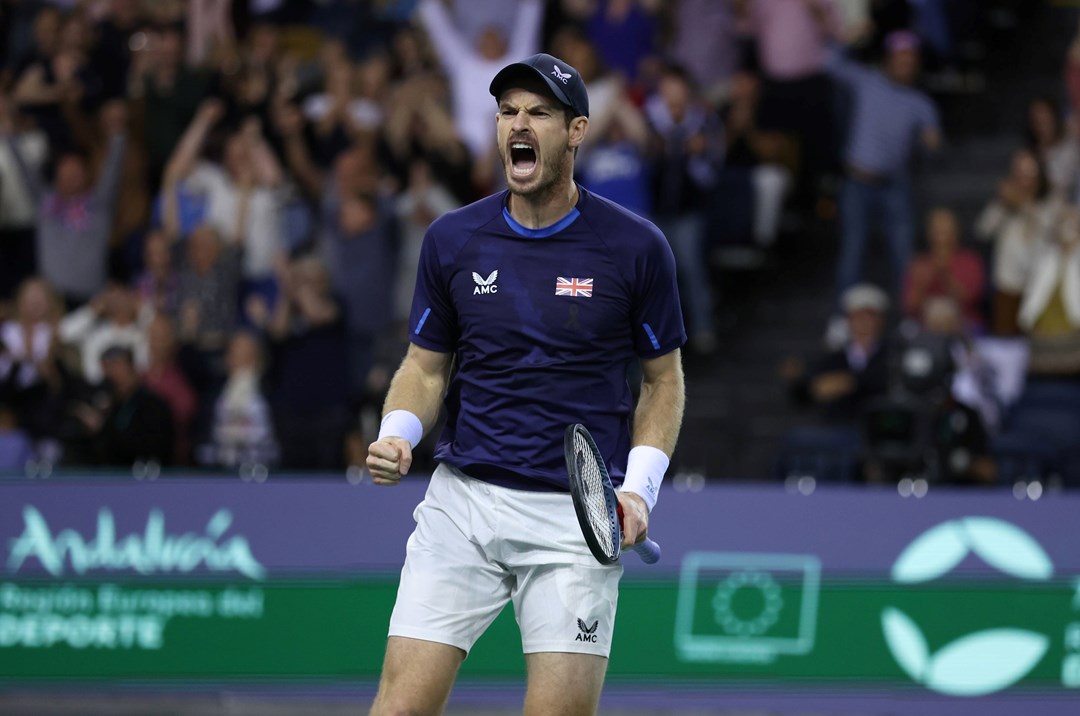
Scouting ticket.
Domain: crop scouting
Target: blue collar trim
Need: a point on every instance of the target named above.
(545, 231)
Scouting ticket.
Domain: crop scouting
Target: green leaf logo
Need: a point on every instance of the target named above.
(932, 554)
(1008, 548)
(986, 661)
(906, 642)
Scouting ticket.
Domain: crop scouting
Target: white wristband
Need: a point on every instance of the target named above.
(402, 424)
(645, 468)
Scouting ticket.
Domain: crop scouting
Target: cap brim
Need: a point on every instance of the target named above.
(510, 73)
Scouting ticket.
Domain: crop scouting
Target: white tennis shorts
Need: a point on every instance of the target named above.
(477, 546)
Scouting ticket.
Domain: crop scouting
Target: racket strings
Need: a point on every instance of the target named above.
(592, 479)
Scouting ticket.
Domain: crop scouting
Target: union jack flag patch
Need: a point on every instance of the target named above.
(573, 287)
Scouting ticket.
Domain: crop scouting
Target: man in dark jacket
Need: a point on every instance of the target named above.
(127, 423)
(842, 382)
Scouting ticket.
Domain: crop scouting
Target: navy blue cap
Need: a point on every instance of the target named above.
(564, 81)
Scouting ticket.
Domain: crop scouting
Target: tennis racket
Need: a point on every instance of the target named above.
(597, 507)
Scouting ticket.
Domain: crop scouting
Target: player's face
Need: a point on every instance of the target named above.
(534, 142)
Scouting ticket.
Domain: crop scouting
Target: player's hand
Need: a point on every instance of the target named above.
(388, 460)
(635, 518)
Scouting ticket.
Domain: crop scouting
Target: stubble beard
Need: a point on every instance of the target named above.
(549, 185)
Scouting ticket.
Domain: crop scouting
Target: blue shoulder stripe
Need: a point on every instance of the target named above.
(420, 323)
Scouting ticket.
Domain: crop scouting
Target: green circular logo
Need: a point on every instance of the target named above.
(750, 580)
(985, 661)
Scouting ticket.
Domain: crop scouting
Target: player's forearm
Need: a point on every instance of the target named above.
(659, 412)
(418, 389)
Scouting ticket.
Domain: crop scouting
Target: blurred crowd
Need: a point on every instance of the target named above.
(211, 210)
(962, 366)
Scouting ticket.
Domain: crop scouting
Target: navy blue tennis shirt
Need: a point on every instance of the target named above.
(544, 325)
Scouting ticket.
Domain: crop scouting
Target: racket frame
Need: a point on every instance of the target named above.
(577, 493)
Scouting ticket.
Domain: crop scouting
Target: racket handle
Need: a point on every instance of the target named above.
(648, 550)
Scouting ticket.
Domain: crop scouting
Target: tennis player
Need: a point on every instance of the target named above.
(530, 306)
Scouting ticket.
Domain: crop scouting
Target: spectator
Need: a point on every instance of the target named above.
(129, 215)
(354, 168)
(972, 376)
(793, 39)
(470, 67)
(704, 41)
(209, 290)
(624, 32)
(47, 80)
(753, 160)
(1050, 305)
(159, 284)
(965, 409)
(310, 395)
(165, 379)
(886, 18)
(261, 75)
(112, 319)
(419, 126)
(358, 242)
(167, 93)
(687, 151)
(617, 168)
(473, 18)
(353, 97)
(842, 383)
(18, 210)
(889, 119)
(243, 201)
(31, 373)
(609, 100)
(75, 215)
(29, 338)
(856, 28)
(361, 244)
(16, 448)
(365, 27)
(946, 270)
(410, 54)
(423, 201)
(1015, 221)
(128, 424)
(1072, 75)
(614, 163)
(243, 431)
(1054, 144)
(210, 30)
(112, 55)
(28, 31)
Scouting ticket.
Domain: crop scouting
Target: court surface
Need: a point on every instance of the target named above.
(38, 704)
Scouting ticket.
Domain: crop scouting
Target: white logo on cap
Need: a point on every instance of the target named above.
(559, 74)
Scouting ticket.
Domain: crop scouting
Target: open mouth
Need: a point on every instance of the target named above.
(522, 158)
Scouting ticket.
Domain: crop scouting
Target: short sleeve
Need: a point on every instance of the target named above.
(432, 320)
(657, 314)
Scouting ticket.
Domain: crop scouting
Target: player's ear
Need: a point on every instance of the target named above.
(579, 127)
